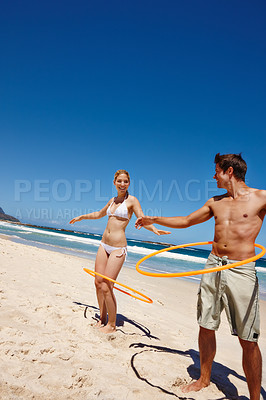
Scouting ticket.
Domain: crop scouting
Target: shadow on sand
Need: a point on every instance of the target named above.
(120, 321)
(220, 373)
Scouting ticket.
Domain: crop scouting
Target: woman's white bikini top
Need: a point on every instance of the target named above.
(121, 211)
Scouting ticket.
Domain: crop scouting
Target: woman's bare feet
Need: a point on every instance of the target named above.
(98, 324)
(107, 329)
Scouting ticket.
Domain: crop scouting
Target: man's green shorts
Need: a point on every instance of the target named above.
(236, 290)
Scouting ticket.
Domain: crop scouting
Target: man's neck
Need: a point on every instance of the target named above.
(236, 188)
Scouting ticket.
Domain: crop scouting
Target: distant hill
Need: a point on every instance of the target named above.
(6, 217)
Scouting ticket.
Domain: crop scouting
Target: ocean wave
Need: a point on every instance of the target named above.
(261, 269)
(68, 237)
(5, 223)
(60, 249)
(8, 236)
(16, 227)
(177, 256)
(26, 229)
(94, 242)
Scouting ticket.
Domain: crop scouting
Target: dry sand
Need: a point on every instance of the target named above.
(49, 350)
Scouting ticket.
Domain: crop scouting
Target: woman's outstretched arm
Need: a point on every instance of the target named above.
(94, 215)
(139, 213)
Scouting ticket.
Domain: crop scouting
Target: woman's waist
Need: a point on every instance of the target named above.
(117, 239)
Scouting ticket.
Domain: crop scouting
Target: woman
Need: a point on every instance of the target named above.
(113, 247)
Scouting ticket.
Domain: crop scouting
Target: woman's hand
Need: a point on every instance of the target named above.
(160, 232)
(77, 219)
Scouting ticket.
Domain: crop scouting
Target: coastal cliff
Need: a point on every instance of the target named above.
(6, 217)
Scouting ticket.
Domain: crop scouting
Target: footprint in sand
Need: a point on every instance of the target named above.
(66, 356)
(180, 382)
(80, 381)
(23, 320)
(47, 350)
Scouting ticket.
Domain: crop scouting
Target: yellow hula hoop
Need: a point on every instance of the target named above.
(144, 298)
(200, 271)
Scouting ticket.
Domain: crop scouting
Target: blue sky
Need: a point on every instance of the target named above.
(154, 87)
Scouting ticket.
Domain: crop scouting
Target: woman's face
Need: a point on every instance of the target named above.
(122, 183)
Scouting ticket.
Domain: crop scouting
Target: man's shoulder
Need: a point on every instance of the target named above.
(260, 193)
(218, 197)
(256, 191)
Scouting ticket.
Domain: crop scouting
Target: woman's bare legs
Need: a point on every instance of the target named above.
(100, 266)
(108, 265)
(113, 267)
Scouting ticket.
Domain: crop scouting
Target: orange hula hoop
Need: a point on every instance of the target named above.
(144, 298)
(200, 271)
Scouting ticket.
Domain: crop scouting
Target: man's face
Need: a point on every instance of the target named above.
(221, 177)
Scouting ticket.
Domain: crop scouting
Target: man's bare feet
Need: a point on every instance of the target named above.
(107, 329)
(194, 386)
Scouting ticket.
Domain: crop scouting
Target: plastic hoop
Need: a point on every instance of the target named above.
(145, 298)
(199, 271)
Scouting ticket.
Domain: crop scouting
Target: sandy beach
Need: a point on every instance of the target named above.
(50, 350)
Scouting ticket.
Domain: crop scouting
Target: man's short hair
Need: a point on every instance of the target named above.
(232, 160)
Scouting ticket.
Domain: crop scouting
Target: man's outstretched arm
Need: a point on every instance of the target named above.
(197, 217)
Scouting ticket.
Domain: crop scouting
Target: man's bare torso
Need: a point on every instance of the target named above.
(237, 223)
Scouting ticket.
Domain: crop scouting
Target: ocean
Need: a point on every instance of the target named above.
(85, 245)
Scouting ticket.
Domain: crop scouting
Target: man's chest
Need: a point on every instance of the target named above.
(228, 210)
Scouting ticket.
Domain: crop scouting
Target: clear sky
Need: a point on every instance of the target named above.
(155, 87)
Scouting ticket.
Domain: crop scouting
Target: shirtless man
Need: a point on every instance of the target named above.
(238, 216)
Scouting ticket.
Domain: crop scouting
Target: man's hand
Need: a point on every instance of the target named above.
(142, 221)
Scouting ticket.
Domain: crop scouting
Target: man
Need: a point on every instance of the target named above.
(238, 216)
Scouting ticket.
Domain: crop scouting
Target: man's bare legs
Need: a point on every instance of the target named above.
(207, 350)
(252, 366)
(252, 363)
